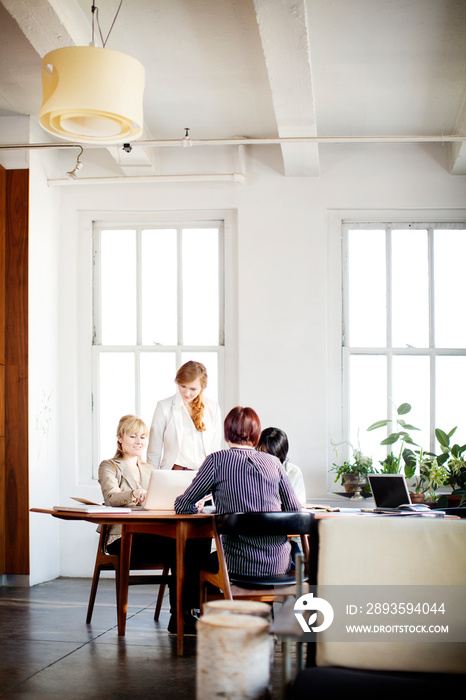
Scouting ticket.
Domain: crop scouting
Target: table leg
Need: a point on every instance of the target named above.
(181, 538)
(125, 556)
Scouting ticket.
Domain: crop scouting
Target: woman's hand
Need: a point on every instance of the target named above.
(139, 496)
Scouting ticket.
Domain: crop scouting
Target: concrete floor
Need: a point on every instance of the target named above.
(49, 653)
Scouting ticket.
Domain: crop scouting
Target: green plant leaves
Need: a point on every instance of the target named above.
(407, 426)
(394, 437)
(378, 424)
(442, 437)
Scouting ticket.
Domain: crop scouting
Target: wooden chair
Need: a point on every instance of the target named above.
(108, 562)
(266, 589)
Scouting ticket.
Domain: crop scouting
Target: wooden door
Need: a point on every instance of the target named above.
(14, 476)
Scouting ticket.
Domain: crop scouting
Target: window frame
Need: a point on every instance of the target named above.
(88, 352)
(339, 222)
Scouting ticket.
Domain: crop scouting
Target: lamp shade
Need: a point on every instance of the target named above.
(92, 95)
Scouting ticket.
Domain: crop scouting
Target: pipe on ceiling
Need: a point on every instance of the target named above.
(188, 142)
(138, 179)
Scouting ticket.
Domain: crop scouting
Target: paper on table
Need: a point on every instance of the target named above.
(92, 509)
(330, 509)
(86, 502)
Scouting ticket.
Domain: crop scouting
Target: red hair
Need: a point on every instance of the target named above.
(242, 426)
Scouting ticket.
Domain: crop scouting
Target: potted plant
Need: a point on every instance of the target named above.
(353, 475)
(390, 465)
(429, 475)
(454, 459)
(393, 462)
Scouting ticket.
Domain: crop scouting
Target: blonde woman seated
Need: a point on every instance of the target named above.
(124, 480)
(185, 427)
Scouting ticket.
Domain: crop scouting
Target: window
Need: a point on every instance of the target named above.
(158, 301)
(403, 335)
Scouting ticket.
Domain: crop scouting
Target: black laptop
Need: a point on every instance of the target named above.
(389, 490)
(391, 495)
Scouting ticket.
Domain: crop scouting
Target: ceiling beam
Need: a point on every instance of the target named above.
(285, 42)
(50, 24)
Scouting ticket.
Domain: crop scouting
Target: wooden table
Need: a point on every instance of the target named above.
(169, 524)
(165, 523)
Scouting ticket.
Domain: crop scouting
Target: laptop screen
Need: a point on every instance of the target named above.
(389, 490)
(164, 486)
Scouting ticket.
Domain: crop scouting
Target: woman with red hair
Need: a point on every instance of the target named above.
(241, 479)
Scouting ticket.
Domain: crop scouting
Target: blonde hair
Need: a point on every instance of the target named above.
(189, 372)
(127, 425)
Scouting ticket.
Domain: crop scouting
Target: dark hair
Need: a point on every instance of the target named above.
(275, 442)
(242, 426)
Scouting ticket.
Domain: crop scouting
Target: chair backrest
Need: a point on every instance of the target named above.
(404, 556)
(264, 523)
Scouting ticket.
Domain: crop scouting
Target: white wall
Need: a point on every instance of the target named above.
(44, 437)
(287, 295)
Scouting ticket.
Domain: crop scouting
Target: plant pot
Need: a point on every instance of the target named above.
(354, 483)
(454, 499)
(416, 497)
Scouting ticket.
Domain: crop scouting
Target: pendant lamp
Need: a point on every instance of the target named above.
(92, 95)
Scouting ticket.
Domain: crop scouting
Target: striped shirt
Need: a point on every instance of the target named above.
(245, 480)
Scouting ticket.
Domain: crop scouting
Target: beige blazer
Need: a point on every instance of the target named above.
(166, 431)
(116, 482)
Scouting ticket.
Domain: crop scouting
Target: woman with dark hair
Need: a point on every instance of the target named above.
(241, 479)
(185, 427)
(275, 442)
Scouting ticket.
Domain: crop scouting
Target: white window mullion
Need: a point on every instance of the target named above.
(95, 409)
(139, 287)
(345, 418)
(221, 286)
(389, 286)
(95, 355)
(137, 380)
(137, 354)
(389, 283)
(96, 296)
(180, 288)
(345, 291)
(432, 367)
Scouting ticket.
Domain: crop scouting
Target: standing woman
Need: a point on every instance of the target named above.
(187, 426)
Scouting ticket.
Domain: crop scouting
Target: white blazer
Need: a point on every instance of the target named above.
(166, 431)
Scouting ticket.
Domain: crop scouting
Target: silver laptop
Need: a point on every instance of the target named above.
(164, 486)
(389, 490)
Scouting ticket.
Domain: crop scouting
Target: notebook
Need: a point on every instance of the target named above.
(164, 486)
(389, 490)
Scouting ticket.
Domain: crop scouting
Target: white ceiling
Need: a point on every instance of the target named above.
(263, 68)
